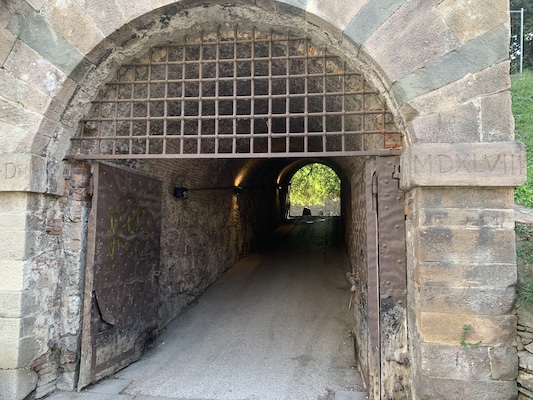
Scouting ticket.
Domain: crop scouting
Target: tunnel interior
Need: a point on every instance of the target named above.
(210, 230)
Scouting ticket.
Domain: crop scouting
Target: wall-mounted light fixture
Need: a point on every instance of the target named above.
(180, 193)
(237, 190)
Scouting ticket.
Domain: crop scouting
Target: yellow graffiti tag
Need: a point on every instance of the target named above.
(127, 227)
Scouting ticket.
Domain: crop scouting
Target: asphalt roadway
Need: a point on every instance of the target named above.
(275, 326)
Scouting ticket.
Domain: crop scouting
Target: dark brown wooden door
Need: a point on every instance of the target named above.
(121, 288)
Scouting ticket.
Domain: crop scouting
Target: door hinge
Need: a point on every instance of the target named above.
(374, 183)
(396, 173)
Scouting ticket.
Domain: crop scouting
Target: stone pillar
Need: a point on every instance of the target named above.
(21, 175)
(462, 268)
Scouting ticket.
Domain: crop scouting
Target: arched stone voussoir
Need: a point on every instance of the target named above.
(487, 81)
(415, 35)
(478, 54)
(169, 24)
(476, 108)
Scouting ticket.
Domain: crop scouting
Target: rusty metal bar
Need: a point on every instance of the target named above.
(257, 98)
(384, 152)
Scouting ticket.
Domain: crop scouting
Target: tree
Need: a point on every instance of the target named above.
(516, 5)
(313, 184)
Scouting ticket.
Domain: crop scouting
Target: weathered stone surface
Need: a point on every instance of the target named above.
(27, 65)
(70, 21)
(337, 12)
(132, 10)
(11, 278)
(464, 164)
(20, 117)
(13, 244)
(160, 3)
(14, 137)
(454, 362)
(465, 274)
(13, 203)
(296, 3)
(10, 328)
(503, 363)
(486, 301)
(456, 125)
(459, 217)
(371, 16)
(17, 384)
(19, 91)
(33, 30)
(399, 48)
(483, 245)
(525, 360)
(6, 12)
(471, 19)
(463, 198)
(529, 347)
(476, 55)
(497, 124)
(525, 380)
(459, 389)
(104, 14)
(14, 303)
(325, 25)
(7, 41)
(22, 172)
(525, 334)
(448, 328)
(16, 353)
(523, 214)
(489, 80)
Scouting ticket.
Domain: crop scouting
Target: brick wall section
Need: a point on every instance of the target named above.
(77, 203)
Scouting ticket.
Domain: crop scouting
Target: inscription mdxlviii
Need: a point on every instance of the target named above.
(491, 164)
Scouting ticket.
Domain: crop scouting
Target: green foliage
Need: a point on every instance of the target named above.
(313, 184)
(467, 328)
(524, 292)
(525, 249)
(527, 5)
(524, 252)
(522, 93)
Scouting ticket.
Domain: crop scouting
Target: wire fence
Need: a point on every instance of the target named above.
(516, 47)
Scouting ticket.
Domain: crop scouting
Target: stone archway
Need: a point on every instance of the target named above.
(248, 94)
(460, 112)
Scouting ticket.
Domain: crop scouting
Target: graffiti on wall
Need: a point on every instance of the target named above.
(128, 227)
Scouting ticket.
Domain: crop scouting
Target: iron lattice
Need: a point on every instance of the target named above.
(236, 94)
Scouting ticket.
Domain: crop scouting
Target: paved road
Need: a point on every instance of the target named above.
(274, 327)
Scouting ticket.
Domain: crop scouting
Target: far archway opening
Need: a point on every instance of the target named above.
(315, 190)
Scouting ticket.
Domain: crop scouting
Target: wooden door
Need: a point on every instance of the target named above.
(121, 287)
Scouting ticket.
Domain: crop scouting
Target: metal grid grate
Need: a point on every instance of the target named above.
(236, 94)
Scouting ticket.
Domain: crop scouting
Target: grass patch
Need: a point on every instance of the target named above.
(525, 246)
(524, 253)
(522, 94)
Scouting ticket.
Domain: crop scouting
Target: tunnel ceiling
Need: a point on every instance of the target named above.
(236, 94)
